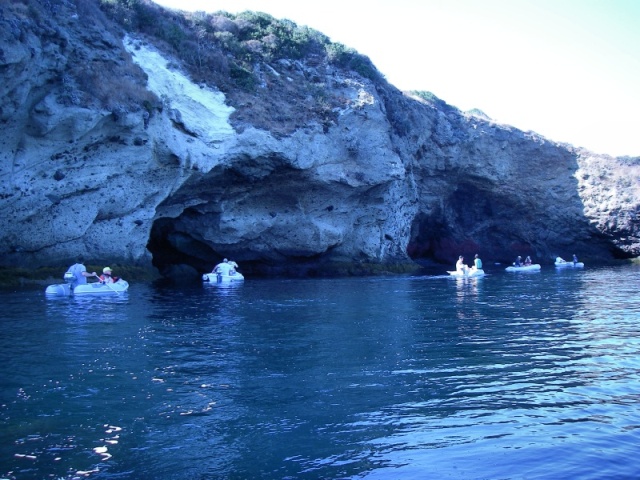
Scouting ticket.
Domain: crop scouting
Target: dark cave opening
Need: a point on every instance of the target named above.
(424, 242)
(172, 250)
(462, 224)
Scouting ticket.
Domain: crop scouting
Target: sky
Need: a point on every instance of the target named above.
(566, 69)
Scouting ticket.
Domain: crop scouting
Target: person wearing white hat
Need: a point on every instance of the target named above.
(106, 276)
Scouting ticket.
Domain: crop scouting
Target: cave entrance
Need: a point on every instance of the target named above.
(171, 249)
(428, 232)
(462, 221)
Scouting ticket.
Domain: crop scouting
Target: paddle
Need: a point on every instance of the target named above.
(107, 284)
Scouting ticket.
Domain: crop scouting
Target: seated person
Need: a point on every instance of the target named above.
(477, 263)
(527, 261)
(223, 268)
(106, 276)
(234, 266)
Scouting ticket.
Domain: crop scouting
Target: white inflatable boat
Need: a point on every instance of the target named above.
(96, 288)
(469, 272)
(562, 263)
(222, 278)
(523, 268)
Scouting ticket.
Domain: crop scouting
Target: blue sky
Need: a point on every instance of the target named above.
(566, 69)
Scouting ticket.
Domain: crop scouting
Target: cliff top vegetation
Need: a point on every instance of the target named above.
(271, 70)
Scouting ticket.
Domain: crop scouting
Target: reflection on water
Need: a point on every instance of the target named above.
(502, 376)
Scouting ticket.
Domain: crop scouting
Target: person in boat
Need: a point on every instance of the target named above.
(460, 266)
(234, 266)
(527, 261)
(575, 259)
(223, 268)
(107, 276)
(518, 262)
(79, 272)
(477, 263)
(560, 260)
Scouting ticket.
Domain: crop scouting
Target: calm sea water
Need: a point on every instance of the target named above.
(510, 376)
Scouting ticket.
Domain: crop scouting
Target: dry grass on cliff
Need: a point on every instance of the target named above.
(95, 69)
(271, 71)
(122, 91)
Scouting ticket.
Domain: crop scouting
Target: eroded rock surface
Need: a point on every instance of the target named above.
(392, 180)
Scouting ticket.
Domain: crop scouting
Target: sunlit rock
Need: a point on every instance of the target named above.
(391, 181)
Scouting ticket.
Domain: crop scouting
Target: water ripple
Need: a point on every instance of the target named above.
(504, 377)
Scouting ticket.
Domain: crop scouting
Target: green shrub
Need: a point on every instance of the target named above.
(335, 52)
(431, 98)
(478, 113)
(222, 48)
(243, 77)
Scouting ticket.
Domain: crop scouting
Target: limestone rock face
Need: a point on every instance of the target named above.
(392, 182)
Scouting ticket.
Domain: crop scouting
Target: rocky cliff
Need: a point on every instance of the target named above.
(112, 150)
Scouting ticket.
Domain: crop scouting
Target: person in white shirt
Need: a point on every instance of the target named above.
(223, 268)
(79, 272)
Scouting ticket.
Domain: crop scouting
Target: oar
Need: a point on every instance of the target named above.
(108, 285)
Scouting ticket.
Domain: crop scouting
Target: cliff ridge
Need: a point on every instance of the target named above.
(117, 149)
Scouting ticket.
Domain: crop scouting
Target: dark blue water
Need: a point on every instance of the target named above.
(510, 376)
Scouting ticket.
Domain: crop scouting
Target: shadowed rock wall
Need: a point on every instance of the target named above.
(393, 181)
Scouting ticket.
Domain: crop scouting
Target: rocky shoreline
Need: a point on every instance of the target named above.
(184, 177)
